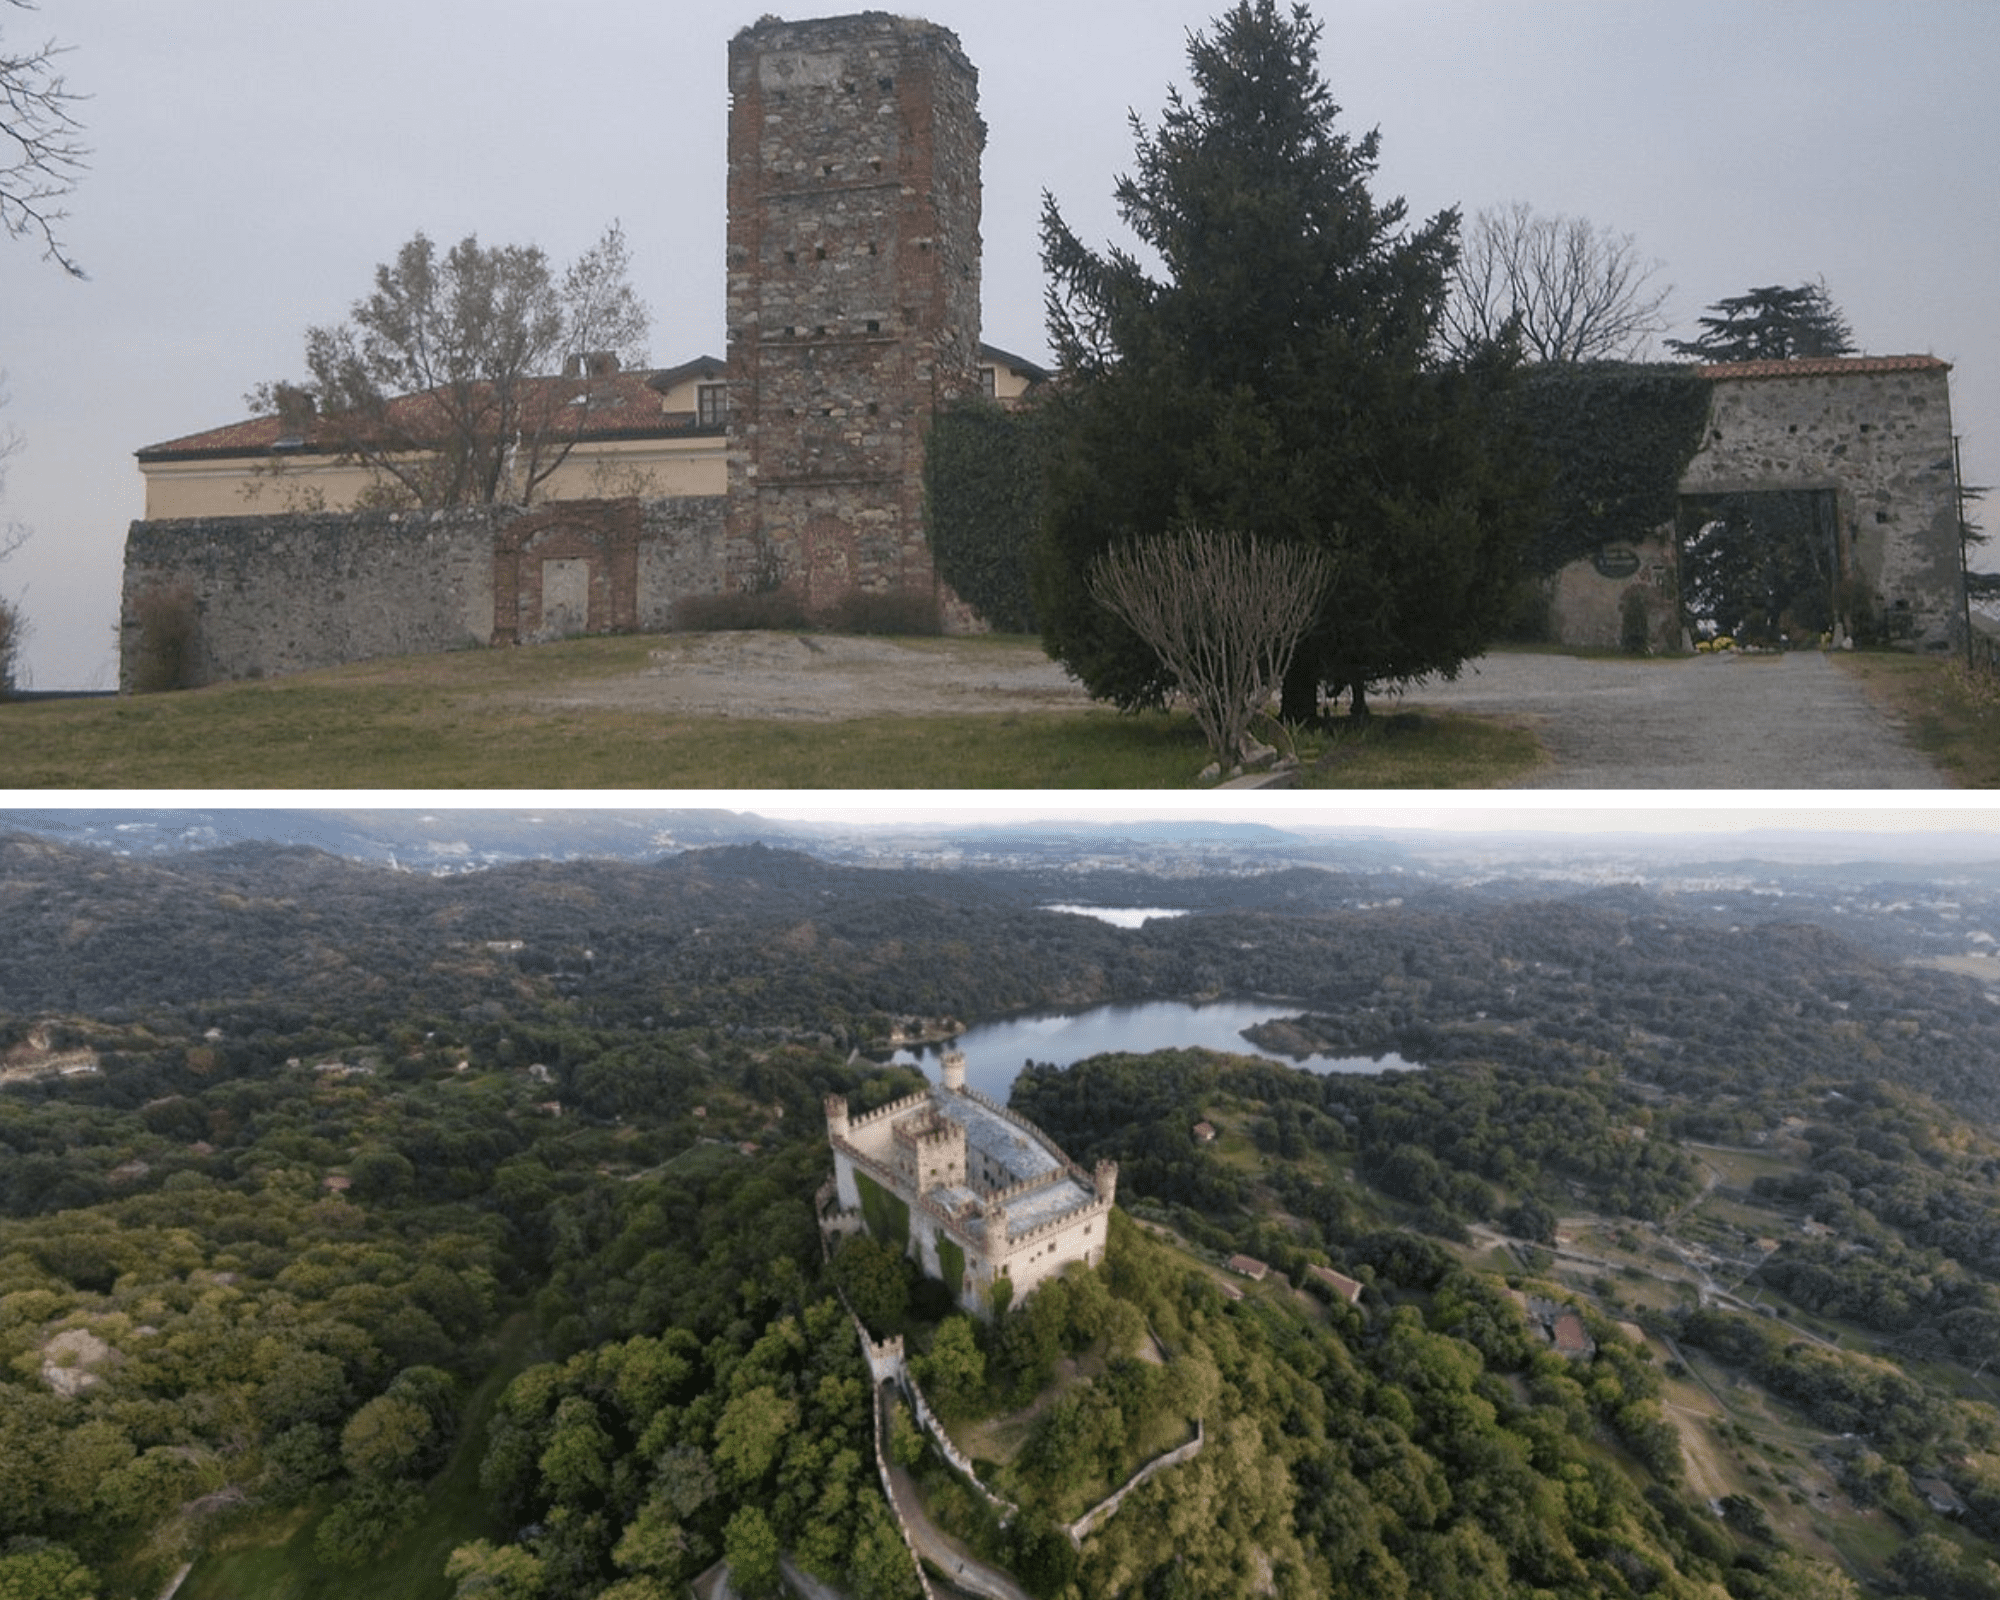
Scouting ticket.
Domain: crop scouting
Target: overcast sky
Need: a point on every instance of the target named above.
(254, 162)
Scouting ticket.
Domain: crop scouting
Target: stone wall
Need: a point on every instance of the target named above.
(1877, 432)
(279, 594)
(1086, 1524)
(853, 293)
(1587, 598)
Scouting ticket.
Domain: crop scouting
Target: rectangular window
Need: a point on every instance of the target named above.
(988, 382)
(711, 404)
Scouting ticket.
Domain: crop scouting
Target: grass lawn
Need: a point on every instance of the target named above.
(1952, 715)
(270, 1555)
(481, 719)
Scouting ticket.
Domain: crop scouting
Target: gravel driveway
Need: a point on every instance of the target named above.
(1793, 721)
(1706, 722)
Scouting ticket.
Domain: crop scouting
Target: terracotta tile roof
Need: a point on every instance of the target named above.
(1349, 1289)
(1249, 1267)
(1818, 367)
(622, 405)
(1569, 1335)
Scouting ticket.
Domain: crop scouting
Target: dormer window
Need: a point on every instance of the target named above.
(711, 402)
(989, 382)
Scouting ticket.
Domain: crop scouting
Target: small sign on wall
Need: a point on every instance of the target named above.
(1616, 561)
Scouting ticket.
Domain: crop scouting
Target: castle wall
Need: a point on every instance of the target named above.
(1035, 1258)
(278, 594)
(273, 595)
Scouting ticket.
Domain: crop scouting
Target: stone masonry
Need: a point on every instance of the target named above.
(278, 594)
(1876, 432)
(853, 293)
(1873, 432)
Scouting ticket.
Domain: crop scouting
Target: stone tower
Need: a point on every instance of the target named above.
(853, 296)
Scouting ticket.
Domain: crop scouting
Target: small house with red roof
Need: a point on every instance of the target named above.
(1348, 1289)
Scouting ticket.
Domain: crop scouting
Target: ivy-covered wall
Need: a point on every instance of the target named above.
(951, 1264)
(1616, 439)
(983, 471)
(888, 1217)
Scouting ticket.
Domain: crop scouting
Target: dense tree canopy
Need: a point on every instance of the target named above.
(257, 1266)
(1274, 380)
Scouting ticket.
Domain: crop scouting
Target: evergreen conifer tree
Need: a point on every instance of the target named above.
(1278, 379)
(1771, 324)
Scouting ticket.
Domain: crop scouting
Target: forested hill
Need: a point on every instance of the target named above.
(258, 937)
(364, 1232)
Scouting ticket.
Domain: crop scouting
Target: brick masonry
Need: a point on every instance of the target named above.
(853, 293)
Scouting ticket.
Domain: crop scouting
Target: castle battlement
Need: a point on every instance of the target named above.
(893, 1109)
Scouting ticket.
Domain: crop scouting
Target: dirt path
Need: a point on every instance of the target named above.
(833, 677)
(1791, 721)
(948, 1555)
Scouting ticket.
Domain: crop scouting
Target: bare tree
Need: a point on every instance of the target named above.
(1223, 612)
(1573, 291)
(41, 151)
(13, 624)
(464, 379)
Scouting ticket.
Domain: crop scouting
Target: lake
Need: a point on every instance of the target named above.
(995, 1051)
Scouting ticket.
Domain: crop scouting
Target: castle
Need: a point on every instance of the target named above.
(976, 1193)
(853, 315)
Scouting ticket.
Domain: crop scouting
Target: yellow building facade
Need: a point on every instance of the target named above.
(644, 434)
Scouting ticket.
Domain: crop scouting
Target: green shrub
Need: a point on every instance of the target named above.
(888, 1216)
(894, 611)
(951, 1263)
(983, 475)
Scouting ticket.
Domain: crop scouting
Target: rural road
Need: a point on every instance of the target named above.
(1793, 721)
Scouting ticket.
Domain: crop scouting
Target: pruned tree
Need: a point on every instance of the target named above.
(42, 153)
(464, 378)
(1569, 289)
(1273, 376)
(1223, 611)
(1771, 324)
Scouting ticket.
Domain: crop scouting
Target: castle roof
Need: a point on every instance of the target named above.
(1000, 1139)
(610, 406)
